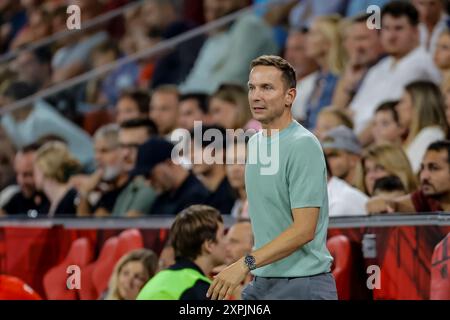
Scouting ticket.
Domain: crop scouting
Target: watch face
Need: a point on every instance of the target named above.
(250, 262)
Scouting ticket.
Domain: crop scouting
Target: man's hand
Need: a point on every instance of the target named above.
(227, 280)
(381, 205)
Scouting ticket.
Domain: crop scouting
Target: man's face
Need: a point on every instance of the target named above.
(106, 155)
(29, 69)
(23, 166)
(267, 94)
(430, 11)
(127, 109)
(129, 141)
(435, 174)
(363, 45)
(340, 162)
(189, 111)
(161, 177)
(164, 111)
(295, 54)
(239, 242)
(398, 36)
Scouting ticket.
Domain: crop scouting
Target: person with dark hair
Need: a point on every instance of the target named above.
(386, 124)
(132, 104)
(406, 62)
(30, 123)
(176, 186)
(212, 175)
(364, 50)
(23, 198)
(288, 204)
(433, 194)
(34, 67)
(198, 238)
(164, 109)
(390, 186)
(193, 107)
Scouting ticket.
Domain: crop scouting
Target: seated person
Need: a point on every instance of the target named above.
(198, 238)
(131, 273)
(132, 104)
(177, 187)
(386, 126)
(23, 198)
(434, 192)
(213, 175)
(193, 107)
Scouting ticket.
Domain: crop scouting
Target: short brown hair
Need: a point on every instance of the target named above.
(286, 69)
(192, 227)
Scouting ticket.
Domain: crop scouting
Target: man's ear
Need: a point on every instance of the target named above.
(290, 96)
(207, 246)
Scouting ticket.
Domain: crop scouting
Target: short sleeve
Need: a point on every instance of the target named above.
(306, 174)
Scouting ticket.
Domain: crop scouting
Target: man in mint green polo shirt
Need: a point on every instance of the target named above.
(286, 186)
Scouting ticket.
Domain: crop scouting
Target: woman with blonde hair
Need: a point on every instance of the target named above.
(324, 45)
(53, 166)
(380, 161)
(131, 273)
(421, 113)
(442, 55)
(446, 93)
(229, 108)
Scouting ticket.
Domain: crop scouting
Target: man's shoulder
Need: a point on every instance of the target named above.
(9, 194)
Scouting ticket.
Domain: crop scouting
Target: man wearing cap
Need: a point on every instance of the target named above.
(343, 152)
(176, 186)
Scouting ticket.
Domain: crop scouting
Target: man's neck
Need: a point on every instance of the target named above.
(400, 56)
(204, 264)
(181, 175)
(213, 178)
(444, 200)
(278, 124)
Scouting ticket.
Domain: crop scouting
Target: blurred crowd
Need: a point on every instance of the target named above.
(378, 99)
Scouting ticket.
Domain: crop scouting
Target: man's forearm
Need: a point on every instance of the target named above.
(282, 246)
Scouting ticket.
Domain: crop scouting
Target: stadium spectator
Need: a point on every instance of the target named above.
(38, 27)
(324, 46)
(389, 187)
(164, 109)
(446, 90)
(53, 167)
(199, 242)
(132, 104)
(33, 67)
(421, 112)
(105, 91)
(386, 124)
(14, 18)
(343, 199)
(21, 198)
(212, 175)
(434, 192)
(381, 161)
(99, 191)
(221, 59)
(137, 197)
(305, 70)
(433, 20)
(193, 107)
(229, 108)
(29, 124)
(236, 176)
(406, 62)
(131, 273)
(363, 48)
(176, 186)
(343, 152)
(164, 21)
(329, 118)
(442, 55)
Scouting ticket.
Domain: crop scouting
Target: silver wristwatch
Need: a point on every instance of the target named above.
(250, 262)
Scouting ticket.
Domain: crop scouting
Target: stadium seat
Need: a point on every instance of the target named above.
(127, 241)
(55, 280)
(440, 271)
(12, 288)
(106, 257)
(340, 248)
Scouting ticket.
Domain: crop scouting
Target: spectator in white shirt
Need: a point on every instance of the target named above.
(305, 70)
(421, 110)
(406, 62)
(343, 199)
(433, 21)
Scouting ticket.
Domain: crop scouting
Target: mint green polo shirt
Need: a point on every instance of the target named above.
(283, 172)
